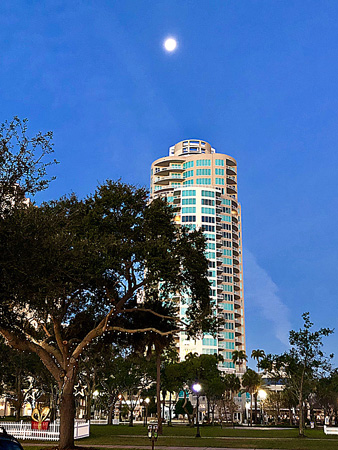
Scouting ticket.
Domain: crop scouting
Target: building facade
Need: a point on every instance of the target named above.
(201, 186)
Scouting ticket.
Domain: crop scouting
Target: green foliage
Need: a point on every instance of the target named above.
(22, 162)
(302, 365)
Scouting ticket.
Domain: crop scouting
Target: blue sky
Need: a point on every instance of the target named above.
(256, 79)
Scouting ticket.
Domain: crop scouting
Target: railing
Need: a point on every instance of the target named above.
(330, 430)
(23, 430)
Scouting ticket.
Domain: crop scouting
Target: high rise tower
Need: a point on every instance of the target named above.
(201, 185)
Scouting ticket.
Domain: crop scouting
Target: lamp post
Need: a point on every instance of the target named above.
(147, 400)
(197, 388)
(120, 409)
(262, 396)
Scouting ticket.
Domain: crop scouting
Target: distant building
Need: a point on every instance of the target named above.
(201, 185)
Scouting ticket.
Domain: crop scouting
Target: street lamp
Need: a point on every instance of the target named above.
(120, 409)
(197, 388)
(262, 396)
(147, 400)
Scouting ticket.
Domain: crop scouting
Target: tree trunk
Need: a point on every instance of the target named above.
(110, 414)
(170, 412)
(256, 413)
(67, 415)
(88, 406)
(158, 391)
(251, 409)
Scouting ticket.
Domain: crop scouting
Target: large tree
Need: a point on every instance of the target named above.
(302, 364)
(72, 270)
(23, 162)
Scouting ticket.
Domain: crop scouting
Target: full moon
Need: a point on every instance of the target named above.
(170, 44)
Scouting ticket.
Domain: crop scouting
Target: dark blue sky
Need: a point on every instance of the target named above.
(256, 79)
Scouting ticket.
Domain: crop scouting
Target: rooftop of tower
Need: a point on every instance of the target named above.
(191, 147)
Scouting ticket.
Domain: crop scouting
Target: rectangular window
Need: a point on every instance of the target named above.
(210, 342)
(219, 181)
(211, 245)
(188, 193)
(188, 174)
(227, 252)
(227, 270)
(226, 218)
(208, 219)
(207, 201)
(229, 346)
(211, 273)
(203, 172)
(208, 210)
(228, 297)
(229, 316)
(226, 226)
(227, 288)
(210, 237)
(227, 279)
(189, 209)
(188, 165)
(189, 201)
(208, 194)
(188, 219)
(219, 162)
(228, 335)
(227, 261)
(175, 184)
(229, 326)
(188, 182)
(219, 171)
(208, 228)
(203, 162)
(203, 181)
(210, 255)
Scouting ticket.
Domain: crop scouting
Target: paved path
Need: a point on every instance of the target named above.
(146, 447)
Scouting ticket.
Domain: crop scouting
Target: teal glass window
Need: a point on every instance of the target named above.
(208, 210)
(189, 201)
(189, 210)
(219, 181)
(188, 193)
(203, 181)
(203, 162)
(219, 162)
(203, 171)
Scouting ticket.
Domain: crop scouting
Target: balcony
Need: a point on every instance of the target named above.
(237, 286)
(231, 189)
(237, 304)
(231, 163)
(231, 180)
(236, 276)
(164, 180)
(231, 170)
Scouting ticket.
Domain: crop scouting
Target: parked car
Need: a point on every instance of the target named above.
(8, 442)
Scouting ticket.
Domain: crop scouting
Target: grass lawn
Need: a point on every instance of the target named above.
(183, 436)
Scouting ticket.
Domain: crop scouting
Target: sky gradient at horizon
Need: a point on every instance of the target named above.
(255, 79)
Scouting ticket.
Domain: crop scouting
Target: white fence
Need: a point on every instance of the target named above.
(22, 430)
(330, 430)
(99, 421)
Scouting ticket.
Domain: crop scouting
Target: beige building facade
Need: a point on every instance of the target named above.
(201, 185)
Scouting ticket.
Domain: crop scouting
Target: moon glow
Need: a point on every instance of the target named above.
(170, 44)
